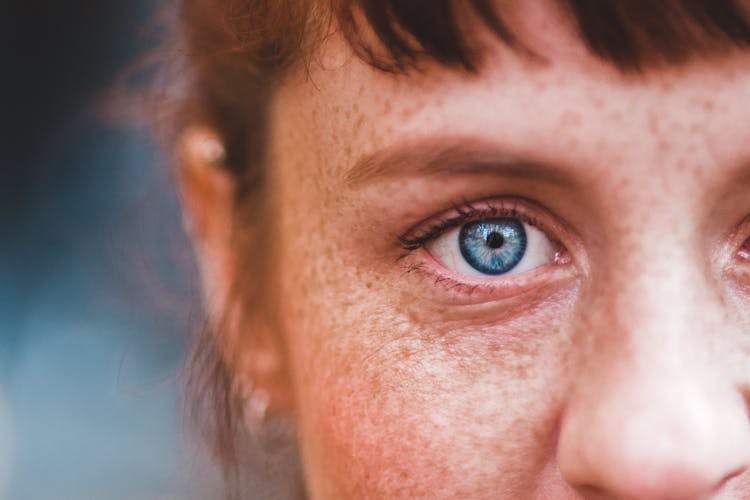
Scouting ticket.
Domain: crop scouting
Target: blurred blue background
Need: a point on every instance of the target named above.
(98, 290)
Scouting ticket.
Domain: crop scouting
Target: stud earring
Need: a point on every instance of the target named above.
(202, 147)
(256, 408)
(254, 402)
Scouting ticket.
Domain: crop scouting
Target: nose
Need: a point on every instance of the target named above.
(669, 440)
(652, 415)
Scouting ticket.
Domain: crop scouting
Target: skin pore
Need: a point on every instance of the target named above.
(617, 368)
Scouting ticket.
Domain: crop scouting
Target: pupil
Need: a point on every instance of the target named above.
(495, 240)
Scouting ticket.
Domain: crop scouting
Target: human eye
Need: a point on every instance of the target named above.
(493, 247)
(492, 244)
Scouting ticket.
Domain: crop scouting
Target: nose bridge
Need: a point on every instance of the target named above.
(650, 417)
(658, 293)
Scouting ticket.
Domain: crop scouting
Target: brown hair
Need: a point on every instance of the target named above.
(239, 49)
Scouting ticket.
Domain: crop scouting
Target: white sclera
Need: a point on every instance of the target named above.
(445, 248)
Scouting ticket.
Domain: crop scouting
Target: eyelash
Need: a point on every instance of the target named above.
(466, 212)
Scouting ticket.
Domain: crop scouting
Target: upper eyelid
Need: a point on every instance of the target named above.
(465, 212)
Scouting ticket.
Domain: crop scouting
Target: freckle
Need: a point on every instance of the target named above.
(708, 105)
(539, 87)
(405, 353)
(573, 144)
(667, 86)
(412, 316)
(358, 124)
(624, 184)
(407, 112)
(696, 171)
(653, 124)
(571, 119)
(680, 166)
(494, 347)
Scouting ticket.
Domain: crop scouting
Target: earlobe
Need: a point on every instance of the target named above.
(261, 379)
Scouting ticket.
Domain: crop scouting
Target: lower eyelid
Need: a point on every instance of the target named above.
(456, 290)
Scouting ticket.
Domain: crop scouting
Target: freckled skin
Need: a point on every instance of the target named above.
(627, 379)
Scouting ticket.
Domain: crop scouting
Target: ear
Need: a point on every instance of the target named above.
(206, 191)
(252, 352)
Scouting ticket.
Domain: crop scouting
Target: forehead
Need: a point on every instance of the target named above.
(571, 101)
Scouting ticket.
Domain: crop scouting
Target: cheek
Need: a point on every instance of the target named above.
(424, 427)
(389, 407)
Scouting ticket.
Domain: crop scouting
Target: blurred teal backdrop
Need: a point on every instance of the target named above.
(98, 291)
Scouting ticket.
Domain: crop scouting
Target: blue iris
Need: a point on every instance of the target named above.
(493, 246)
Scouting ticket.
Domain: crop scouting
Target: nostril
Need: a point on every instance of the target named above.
(745, 394)
(593, 493)
(732, 475)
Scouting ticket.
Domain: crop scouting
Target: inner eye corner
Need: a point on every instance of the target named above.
(562, 256)
(744, 250)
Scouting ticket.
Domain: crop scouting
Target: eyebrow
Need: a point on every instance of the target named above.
(451, 156)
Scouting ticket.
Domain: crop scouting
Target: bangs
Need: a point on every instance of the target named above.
(630, 34)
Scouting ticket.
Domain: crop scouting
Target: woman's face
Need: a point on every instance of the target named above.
(532, 282)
